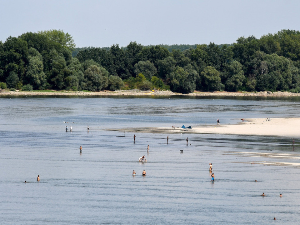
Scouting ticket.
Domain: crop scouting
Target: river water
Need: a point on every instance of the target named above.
(96, 187)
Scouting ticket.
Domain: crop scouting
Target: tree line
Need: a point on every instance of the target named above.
(44, 60)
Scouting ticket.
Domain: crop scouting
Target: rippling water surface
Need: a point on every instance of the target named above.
(96, 187)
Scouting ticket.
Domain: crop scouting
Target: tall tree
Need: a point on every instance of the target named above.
(234, 76)
(96, 78)
(183, 80)
(211, 79)
(64, 39)
(146, 68)
(35, 75)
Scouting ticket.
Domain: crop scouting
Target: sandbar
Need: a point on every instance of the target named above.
(283, 127)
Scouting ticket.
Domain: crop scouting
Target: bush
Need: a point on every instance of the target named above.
(145, 85)
(3, 85)
(157, 82)
(295, 90)
(27, 87)
(115, 83)
(12, 80)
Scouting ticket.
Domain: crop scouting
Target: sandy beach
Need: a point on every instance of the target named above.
(140, 93)
(284, 127)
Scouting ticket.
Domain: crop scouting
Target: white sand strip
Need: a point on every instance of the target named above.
(288, 127)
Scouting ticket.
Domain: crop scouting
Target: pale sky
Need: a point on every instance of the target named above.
(102, 23)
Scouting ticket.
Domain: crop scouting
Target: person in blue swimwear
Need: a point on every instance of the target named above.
(212, 177)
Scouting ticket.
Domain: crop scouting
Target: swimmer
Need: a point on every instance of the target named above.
(218, 121)
(263, 194)
(80, 148)
(88, 128)
(38, 178)
(66, 128)
(187, 140)
(210, 167)
(148, 148)
(255, 180)
(212, 177)
(280, 195)
(134, 138)
(144, 173)
(133, 173)
(25, 182)
(71, 129)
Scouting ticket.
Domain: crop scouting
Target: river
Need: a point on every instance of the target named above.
(97, 186)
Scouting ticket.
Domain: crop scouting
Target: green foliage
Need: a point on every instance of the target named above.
(27, 87)
(146, 68)
(3, 85)
(64, 39)
(140, 82)
(115, 83)
(166, 67)
(96, 78)
(183, 80)
(211, 79)
(234, 76)
(1, 74)
(12, 80)
(72, 83)
(157, 83)
(35, 71)
(144, 85)
(58, 66)
(44, 60)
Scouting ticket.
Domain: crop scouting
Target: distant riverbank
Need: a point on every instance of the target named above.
(4, 93)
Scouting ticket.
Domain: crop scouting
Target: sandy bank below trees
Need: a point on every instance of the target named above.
(146, 93)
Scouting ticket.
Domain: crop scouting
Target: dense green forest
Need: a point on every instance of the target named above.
(49, 60)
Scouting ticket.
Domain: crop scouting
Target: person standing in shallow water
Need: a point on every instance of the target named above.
(80, 148)
(210, 167)
(144, 173)
(38, 178)
(212, 177)
(148, 148)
